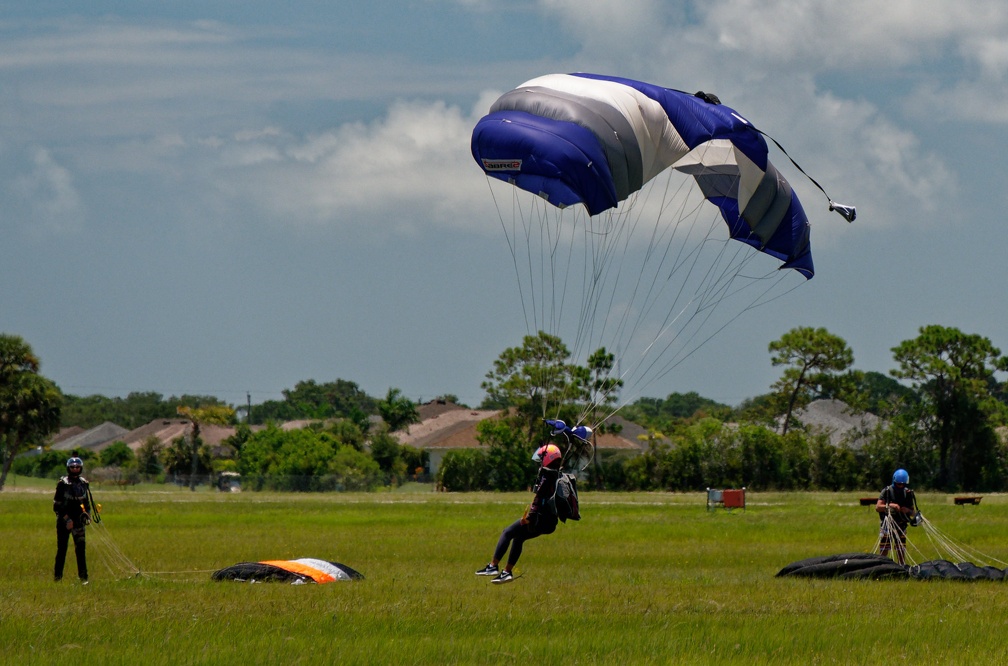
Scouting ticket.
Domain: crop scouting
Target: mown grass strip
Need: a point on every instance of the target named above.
(644, 578)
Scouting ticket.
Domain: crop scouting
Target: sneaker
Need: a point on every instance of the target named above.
(488, 570)
(503, 577)
(84, 581)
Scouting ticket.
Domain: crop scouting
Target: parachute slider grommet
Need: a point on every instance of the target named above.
(849, 213)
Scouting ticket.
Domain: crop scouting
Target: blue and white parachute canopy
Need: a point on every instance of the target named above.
(595, 140)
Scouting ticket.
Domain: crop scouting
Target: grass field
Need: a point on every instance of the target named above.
(644, 578)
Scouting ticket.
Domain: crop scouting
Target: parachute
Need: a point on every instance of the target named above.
(304, 570)
(876, 566)
(621, 257)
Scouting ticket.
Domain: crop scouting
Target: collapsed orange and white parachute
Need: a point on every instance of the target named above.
(302, 570)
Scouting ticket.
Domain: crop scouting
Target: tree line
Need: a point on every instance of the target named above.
(939, 411)
(942, 423)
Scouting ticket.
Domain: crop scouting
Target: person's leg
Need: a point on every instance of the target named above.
(62, 540)
(507, 535)
(80, 550)
(884, 542)
(522, 534)
(901, 549)
(506, 538)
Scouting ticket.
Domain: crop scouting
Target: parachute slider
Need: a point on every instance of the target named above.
(710, 98)
(848, 212)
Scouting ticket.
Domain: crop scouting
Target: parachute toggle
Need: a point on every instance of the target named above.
(848, 212)
(582, 432)
(557, 425)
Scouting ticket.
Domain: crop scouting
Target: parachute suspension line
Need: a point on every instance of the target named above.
(112, 557)
(684, 260)
(848, 213)
(889, 526)
(608, 259)
(944, 546)
(640, 301)
(956, 552)
(511, 243)
(713, 286)
(630, 323)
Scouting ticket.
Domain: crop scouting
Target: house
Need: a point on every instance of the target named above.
(93, 439)
(446, 426)
(443, 427)
(168, 430)
(836, 419)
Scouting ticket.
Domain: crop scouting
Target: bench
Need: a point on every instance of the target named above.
(967, 500)
(869, 501)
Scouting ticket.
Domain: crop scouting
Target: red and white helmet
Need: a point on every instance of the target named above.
(548, 454)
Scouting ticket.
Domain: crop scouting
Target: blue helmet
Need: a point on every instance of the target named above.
(900, 476)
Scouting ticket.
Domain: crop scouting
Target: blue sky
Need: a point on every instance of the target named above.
(231, 197)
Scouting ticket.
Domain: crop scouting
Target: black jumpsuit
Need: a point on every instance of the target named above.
(70, 502)
(540, 519)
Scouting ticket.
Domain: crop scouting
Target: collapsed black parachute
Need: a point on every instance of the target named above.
(849, 565)
(304, 570)
(874, 566)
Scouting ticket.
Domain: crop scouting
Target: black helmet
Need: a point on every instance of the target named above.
(75, 462)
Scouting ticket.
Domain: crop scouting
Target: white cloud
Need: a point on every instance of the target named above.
(414, 164)
(48, 196)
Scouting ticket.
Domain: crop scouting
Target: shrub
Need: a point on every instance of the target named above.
(462, 470)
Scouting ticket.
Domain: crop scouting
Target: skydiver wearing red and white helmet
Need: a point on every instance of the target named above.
(540, 517)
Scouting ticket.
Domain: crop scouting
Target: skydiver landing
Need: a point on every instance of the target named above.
(896, 504)
(539, 518)
(72, 507)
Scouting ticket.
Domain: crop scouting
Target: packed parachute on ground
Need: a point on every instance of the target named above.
(954, 561)
(299, 571)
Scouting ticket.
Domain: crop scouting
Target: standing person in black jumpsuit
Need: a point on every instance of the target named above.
(540, 517)
(72, 507)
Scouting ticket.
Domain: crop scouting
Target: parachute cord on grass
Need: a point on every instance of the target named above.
(944, 543)
(162, 574)
(944, 547)
(118, 565)
(111, 556)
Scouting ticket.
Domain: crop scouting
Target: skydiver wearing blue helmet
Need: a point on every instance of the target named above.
(896, 507)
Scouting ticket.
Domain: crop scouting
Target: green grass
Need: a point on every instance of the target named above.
(644, 578)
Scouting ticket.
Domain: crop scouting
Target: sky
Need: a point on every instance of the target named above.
(226, 198)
